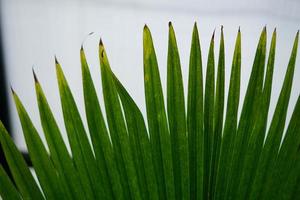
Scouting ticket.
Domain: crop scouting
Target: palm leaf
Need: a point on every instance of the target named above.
(7, 189)
(208, 116)
(287, 157)
(58, 150)
(184, 152)
(41, 161)
(140, 143)
(80, 146)
(157, 121)
(195, 118)
(257, 136)
(218, 117)
(231, 119)
(117, 126)
(102, 146)
(248, 116)
(177, 119)
(271, 147)
(22, 177)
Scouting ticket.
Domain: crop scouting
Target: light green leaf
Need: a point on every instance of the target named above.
(157, 120)
(59, 153)
(102, 146)
(117, 125)
(82, 153)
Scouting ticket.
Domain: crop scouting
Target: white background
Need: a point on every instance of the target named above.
(34, 31)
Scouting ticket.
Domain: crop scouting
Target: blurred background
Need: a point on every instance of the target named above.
(33, 31)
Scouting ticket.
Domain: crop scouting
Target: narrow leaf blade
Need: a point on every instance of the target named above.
(208, 116)
(230, 126)
(272, 144)
(138, 133)
(195, 118)
(18, 167)
(7, 189)
(257, 137)
(248, 115)
(218, 116)
(117, 125)
(102, 146)
(157, 120)
(177, 119)
(80, 146)
(59, 153)
(39, 156)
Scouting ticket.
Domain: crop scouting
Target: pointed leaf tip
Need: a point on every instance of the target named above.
(170, 23)
(195, 24)
(81, 48)
(56, 61)
(265, 28)
(239, 29)
(34, 76)
(213, 35)
(101, 45)
(12, 90)
(145, 27)
(222, 27)
(195, 28)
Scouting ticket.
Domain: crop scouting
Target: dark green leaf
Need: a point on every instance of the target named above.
(290, 188)
(257, 136)
(218, 117)
(43, 166)
(195, 118)
(22, 176)
(272, 144)
(177, 119)
(140, 143)
(80, 146)
(7, 189)
(286, 170)
(230, 126)
(208, 116)
(248, 115)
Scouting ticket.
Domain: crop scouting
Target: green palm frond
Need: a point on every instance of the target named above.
(190, 148)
